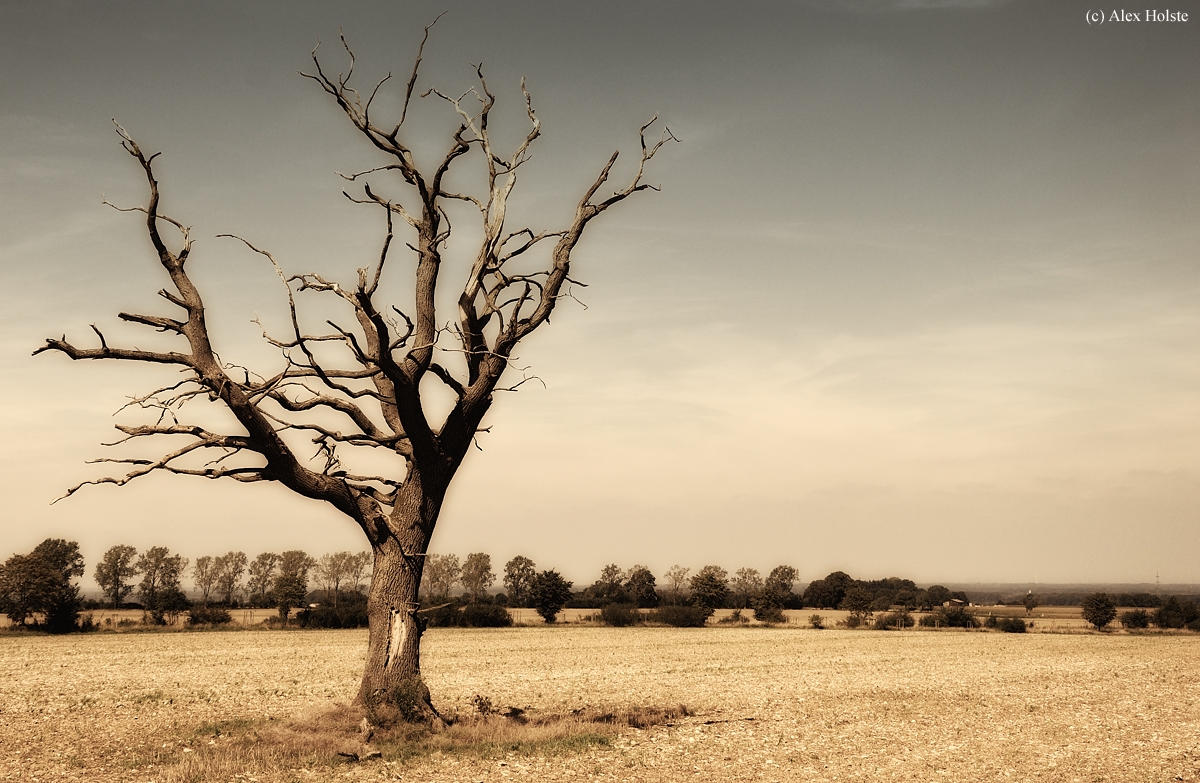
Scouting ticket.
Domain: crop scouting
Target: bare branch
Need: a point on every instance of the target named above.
(146, 467)
(158, 322)
(446, 378)
(412, 80)
(104, 352)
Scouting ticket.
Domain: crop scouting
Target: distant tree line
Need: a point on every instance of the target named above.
(709, 589)
(37, 590)
(1142, 600)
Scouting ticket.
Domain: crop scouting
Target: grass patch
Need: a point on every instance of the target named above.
(340, 735)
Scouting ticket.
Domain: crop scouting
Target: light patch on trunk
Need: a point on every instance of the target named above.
(399, 632)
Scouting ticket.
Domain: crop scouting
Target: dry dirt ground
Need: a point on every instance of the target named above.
(770, 704)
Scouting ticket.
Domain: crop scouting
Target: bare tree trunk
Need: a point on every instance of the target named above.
(394, 645)
(394, 648)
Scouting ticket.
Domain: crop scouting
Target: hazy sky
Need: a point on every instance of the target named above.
(919, 295)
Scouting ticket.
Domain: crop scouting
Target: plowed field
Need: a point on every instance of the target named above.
(769, 704)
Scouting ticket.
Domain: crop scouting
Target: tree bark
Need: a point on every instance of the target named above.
(394, 643)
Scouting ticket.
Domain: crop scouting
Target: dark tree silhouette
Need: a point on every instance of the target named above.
(549, 593)
(518, 578)
(376, 397)
(477, 575)
(710, 588)
(1098, 609)
(1030, 602)
(828, 593)
(40, 582)
(114, 571)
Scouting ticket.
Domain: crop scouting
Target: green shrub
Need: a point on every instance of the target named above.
(208, 615)
(817, 622)
(620, 615)
(680, 616)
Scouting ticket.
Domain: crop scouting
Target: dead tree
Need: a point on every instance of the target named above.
(358, 384)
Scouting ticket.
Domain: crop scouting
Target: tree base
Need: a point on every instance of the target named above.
(408, 701)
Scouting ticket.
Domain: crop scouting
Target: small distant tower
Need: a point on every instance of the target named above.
(1157, 585)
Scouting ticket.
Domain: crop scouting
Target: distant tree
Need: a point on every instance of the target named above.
(858, 602)
(518, 579)
(710, 588)
(114, 571)
(205, 576)
(25, 581)
(477, 575)
(677, 580)
(61, 605)
(1031, 602)
(609, 588)
(745, 585)
(640, 587)
(159, 589)
(1140, 600)
(360, 566)
(549, 593)
(1098, 609)
(828, 593)
(331, 570)
(296, 561)
(906, 598)
(1177, 613)
(41, 582)
(289, 592)
(171, 603)
(778, 584)
(228, 569)
(775, 594)
(442, 572)
(935, 596)
(262, 575)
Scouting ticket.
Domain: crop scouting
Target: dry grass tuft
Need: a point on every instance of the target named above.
(341, 735)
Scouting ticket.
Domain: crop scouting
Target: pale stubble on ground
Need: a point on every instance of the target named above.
(780, 704)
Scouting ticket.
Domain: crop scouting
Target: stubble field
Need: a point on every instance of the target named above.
(769, 704)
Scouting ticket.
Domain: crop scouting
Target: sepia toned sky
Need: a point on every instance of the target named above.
(920, 295)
